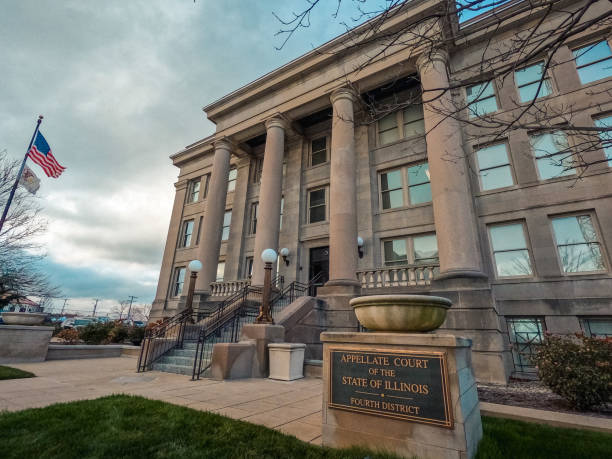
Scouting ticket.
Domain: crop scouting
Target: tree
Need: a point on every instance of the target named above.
(549, 26)
(20, 252)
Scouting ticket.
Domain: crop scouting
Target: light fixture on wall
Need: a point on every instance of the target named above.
(360, 246)
(284, 252)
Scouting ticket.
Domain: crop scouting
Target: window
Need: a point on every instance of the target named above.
(231, 179)
(577, 244)
(593, 62)
(606, 137)
(248, 267)
(552, 153)
(199, 230)
(194, 189)
(317, 204)
(526, 334)
(187, 232)
(256, 169)
(179, 280)
(404, 123)
(421, 249)
(206, 182)
(481, 99)
(318, 151)
(220, 271)
(419, 189)
(227, 220)
(528, 81)
(391, 189)
(254, 212)
(510, 251)
(494, 167)
(600, 327)
(280, 224)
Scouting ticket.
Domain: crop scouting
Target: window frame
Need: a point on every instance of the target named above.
(509, 164)
(528, 247)
(190, 190)
(410, 254)
(591, 44)
(175, 281)
(326, 204)
(228, 226)
(600, 242)
(586, 327)
(199, 232)
(253, 218)
(400, 126)
(231, 183)
(327, 149)
(545, 156)
(183, 243)
(403, 186)
(249, 260)
(471, 113)
(206, 178)
(546, 77)
(522, 364)
(217, 278)
(406, 197)
(596, 119)
(257, 169)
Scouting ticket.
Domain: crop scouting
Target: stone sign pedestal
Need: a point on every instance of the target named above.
(24, 343)
(409, 394)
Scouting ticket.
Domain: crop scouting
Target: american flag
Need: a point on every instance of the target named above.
(41, 154)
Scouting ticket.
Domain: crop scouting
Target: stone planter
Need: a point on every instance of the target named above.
(286, 361)
(401, 313)
(23, 318)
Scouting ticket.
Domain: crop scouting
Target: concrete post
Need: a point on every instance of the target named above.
(342, 196)
(270, 195)
(210, 244)
(452, 200)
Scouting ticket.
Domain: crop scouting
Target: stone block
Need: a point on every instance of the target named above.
(233, 360)
(24, 343)
(286, 361)
(262, 335)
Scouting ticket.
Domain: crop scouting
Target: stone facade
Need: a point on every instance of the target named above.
(298, 164)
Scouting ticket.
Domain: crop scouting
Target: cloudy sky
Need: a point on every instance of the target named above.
(121, 85)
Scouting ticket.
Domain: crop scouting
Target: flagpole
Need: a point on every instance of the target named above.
(23, 163)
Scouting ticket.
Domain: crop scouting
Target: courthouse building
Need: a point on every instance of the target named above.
(518, 239)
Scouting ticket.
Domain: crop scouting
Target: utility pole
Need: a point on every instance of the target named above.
(64, 305)
(132, 297)
(95, 306)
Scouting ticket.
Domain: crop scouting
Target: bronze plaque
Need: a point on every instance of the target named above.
(402, 384)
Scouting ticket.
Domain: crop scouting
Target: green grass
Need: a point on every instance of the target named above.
(122, 426)
(14, 373)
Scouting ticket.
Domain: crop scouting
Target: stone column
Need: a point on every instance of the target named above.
(210, 243)
(270, 195)
(452, 200)
(342, 192)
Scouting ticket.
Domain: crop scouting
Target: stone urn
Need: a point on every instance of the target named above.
(23, 318)
(401, 313)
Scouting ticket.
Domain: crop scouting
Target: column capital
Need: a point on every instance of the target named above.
(429, 57)
(343, 93)
(277, 120)
(223, 143)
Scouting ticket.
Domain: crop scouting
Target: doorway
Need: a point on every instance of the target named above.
(319, 264)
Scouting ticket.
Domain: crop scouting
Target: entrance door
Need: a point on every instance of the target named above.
(319, 263)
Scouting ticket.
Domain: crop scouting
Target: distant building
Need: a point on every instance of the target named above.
(22, 305)
(519, 245)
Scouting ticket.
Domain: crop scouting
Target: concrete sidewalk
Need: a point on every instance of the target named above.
(291, 407)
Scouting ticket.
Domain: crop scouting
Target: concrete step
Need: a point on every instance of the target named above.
(182, 353)
(176, 360)
(168, 368)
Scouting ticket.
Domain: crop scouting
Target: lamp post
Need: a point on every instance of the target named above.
(194, 267)
(360, 246)
(268, 256)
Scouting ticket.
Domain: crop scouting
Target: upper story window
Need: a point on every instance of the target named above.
(227, 220)
(421, 249)
(606, 137)
(593, 62)
(528, 81)
(510, 250)
(256, 169)
(481, 99)
(416, 190)
(577, 244)
(194, 189)
(317, 205)
(552, 153)
(318, 151)
(254, 213)
(179, 281)
(282, 208)
(248, 267)
(231, 179)
(401, 124)
(186, 233)
(494, 167)
(199, 230)
(220, 271)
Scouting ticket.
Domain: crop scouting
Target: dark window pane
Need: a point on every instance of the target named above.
(317, 214)
(317, 197)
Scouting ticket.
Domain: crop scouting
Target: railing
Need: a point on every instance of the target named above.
(397, 276)
(227, 288)
(161, 338)
(225, 324)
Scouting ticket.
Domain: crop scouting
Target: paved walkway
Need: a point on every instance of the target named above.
(291, 407)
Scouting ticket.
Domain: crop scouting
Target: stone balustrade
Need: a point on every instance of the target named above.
(397, 276)
(228, 288)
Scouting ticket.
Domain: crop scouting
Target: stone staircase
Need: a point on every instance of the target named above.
(178, 361)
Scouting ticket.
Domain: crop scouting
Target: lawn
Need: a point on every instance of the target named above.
(14, 373)
(134, 427)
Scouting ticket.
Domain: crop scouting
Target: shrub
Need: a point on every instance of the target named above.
(136, 335)
(69, 335)
(95, 333)
(119, 333)
(579, 369)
